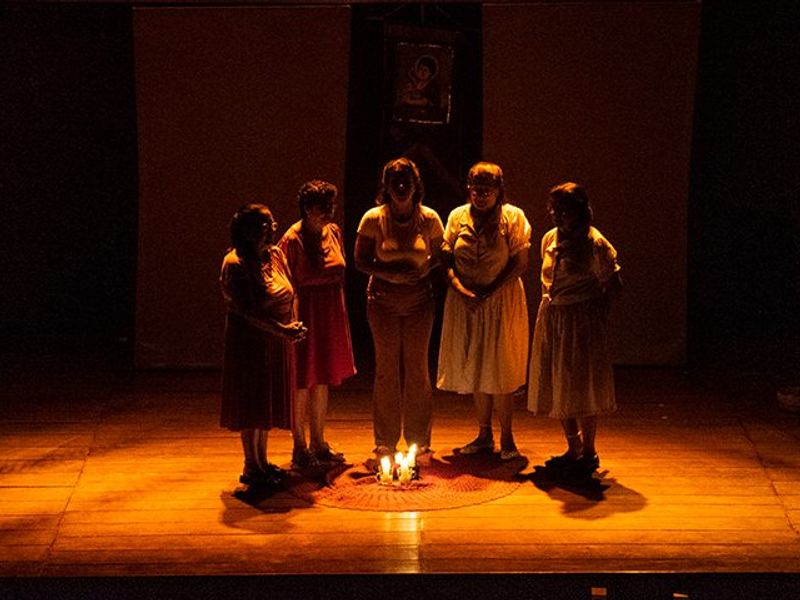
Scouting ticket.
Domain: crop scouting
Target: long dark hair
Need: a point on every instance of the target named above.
(247, 223)
(573, 197)
(393, 168)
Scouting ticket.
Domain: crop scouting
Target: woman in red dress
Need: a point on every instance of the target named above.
(258, 367)
(314, 248)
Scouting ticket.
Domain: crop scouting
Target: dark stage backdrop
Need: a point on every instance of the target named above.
(245, 103)
(234, 105)
(602, 94)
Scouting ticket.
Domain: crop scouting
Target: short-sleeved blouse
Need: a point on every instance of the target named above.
(572, 274)
(306, 272)
(258, 367)
(264, 291)
(480, 256)
(398, 243)
(325, 356)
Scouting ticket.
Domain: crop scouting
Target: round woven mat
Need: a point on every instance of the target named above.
(450, 482)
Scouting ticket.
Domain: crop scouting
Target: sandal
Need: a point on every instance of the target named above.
(373, 463)
(477, 445)
(510, 454)
(424, 456)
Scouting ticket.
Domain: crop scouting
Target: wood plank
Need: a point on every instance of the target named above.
(24, 537)
(252, 567)
(677, 537)
(323, 543)
(145, 488)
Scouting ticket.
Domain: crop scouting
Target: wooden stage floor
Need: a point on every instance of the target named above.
(128, 475)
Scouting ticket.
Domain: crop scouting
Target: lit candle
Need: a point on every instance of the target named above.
(397, 458)
(412, 456)
(386, 470)
(404, 477)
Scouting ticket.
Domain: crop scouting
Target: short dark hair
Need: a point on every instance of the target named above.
(315, 193)
(395, 167)
(488, 173)
(245, 225)
(574, 197)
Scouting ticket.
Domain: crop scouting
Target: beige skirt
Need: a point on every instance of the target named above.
(485, 349)
(570, 372)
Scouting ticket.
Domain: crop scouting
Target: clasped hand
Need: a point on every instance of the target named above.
(474, 297)
(294, 331)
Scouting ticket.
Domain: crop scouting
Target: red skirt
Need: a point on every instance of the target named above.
(257, 378)
(326, 355)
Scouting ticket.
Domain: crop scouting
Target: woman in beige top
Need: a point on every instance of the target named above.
(485, 327)
(398, 244)
(570, 371)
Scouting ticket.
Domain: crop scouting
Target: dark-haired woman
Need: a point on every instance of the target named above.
(485, 326)
(314, 248)
(570, 372)
(258, 367)
(398, 244)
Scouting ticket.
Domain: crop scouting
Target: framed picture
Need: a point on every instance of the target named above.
(423, 77)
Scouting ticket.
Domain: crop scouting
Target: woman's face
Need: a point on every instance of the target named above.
(266, 233)
(319, 215)
(484, 195)
(564, 216)
(401, 187)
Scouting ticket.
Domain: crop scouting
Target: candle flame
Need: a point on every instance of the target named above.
(386, 466)
(412, 456)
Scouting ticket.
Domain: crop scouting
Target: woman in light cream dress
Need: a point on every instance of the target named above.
(485, 328)
(570, 372)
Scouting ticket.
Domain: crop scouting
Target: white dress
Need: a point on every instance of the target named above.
(485, 349)
(570, 370)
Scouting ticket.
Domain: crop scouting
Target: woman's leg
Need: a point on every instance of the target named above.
(317, 411)
(386, 393)
(504, 405)
(589, 426)
(261, 449)
(573, 434)
(417, 394)
(249, 439)
(300, 411)
(483, 413)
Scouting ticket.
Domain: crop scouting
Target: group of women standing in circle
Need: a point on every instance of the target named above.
(287, 336)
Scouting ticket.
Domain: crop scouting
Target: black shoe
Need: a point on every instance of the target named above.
(588, 464)
(561, 463)
(303, 458)
(328, 455)
(252, 478)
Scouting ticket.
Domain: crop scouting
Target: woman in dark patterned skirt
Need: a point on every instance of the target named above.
(258, 370)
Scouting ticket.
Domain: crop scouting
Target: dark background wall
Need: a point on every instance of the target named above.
(68, 184)
(744, 228)
(602, 94)
(67, 178)
(235, 104)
